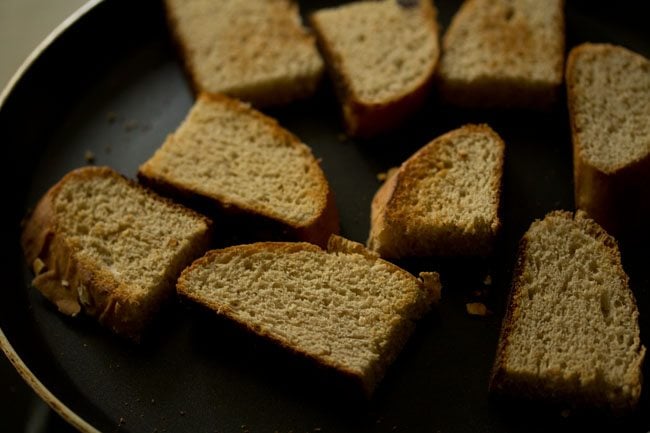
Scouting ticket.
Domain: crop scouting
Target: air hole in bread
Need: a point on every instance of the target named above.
(509, 13)
(605, 306)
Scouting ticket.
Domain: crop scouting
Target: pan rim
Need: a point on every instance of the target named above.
(23, 370)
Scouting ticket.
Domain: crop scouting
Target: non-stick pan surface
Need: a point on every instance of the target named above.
(110, 86)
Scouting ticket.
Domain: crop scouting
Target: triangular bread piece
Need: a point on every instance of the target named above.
(343, 307)
(608, 91)
(571, 332)
(255, 50)
(504, 54)
(382, 56)
(443, 200)
(240, 160)
(104, 245)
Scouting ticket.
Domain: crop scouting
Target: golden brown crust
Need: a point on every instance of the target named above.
(378, 209)
(389, 205)
(501, 382)
(618, 197)
(366, 119)
(316, 230)
(74, 284)
(429, 284)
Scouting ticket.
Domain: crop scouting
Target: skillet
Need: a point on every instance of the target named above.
(110, 84)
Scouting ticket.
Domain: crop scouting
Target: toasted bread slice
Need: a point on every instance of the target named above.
(571, 332)
(344, 308)
(255, 50)
(504, 54)
(608, 91)
(102, 244)
(443, 200)
(382, 56)
(241, 160)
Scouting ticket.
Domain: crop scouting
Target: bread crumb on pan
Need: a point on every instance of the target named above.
(38, 266)
(89, 156)
(477, 309)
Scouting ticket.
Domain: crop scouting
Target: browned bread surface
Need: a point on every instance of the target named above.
(382, 56)
(102, 244)
(443, 200)
(571, 330)
(343, 307)
(255, 50)
(503, 53)
(238, 158)
(608, 91)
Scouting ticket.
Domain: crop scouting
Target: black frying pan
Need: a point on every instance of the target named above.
(110, 84)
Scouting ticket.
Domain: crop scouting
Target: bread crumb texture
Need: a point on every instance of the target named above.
(228, 152)
(346, 308)
(114, 225)
(255, 50)
(444, 199)
(571, 332)
(503, 53)
(609, 94)
(381, 49)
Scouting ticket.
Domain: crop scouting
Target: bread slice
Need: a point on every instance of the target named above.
(608, 91)
(102, 244)
(382, 56)
(443, 200)
(255, 50)
(243, 161)
(571, 332)
(344, 308)
(504, 54)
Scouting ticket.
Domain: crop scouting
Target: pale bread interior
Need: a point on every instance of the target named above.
(574, 328)
(382, 48)
(505, 40)
(609, 89)
(140, 240)
(256, 50)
